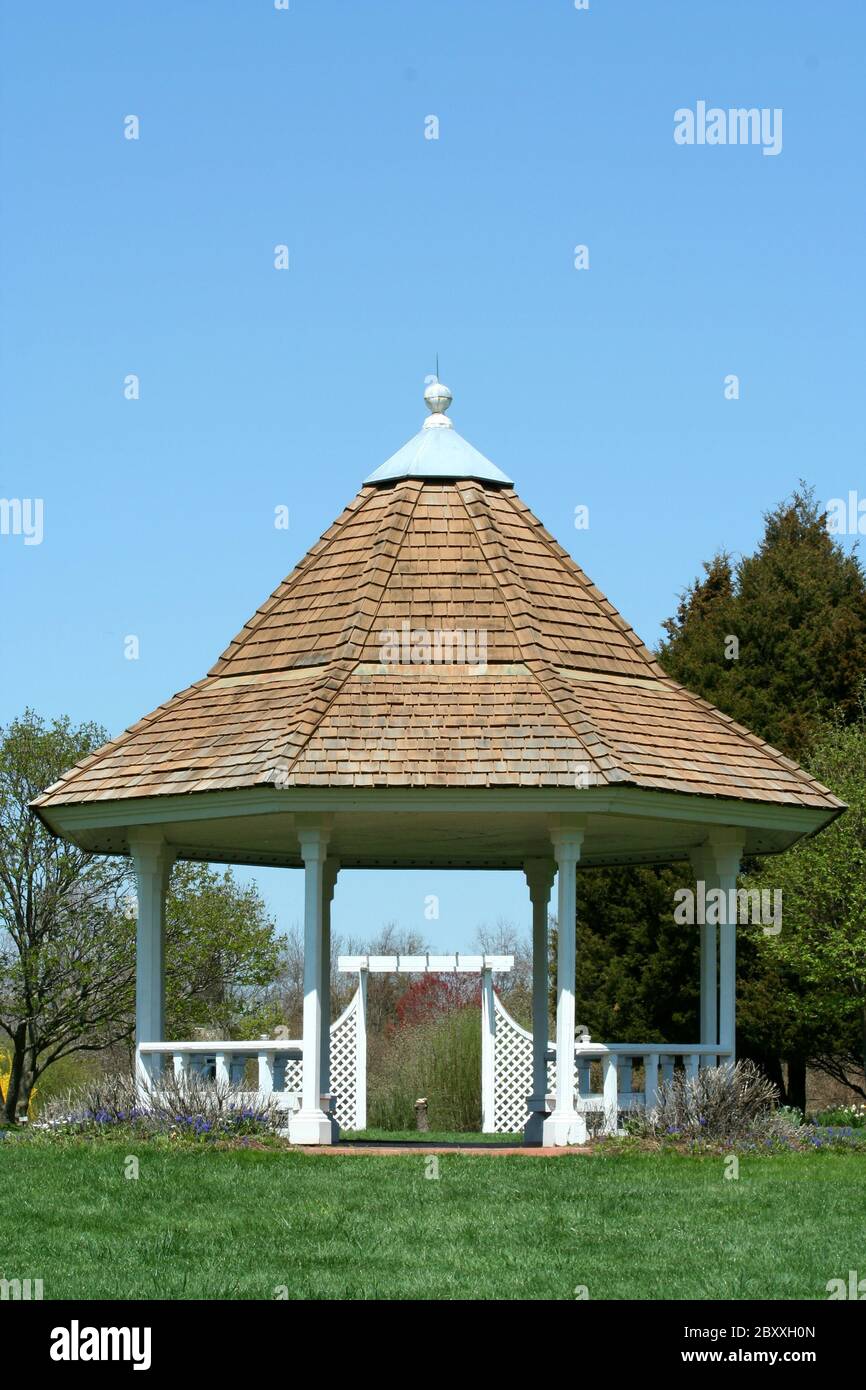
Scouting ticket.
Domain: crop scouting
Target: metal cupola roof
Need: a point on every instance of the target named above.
(438, 451)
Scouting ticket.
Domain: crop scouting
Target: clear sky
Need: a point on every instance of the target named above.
(261, 387)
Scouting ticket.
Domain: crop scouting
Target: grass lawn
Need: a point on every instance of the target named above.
(432, 1136)
(228, 1224)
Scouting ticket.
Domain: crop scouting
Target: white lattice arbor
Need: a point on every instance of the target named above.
(512, 1071)
(459, 963)
(349, 1062)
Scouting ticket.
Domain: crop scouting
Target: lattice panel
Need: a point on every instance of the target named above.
(344, 1065)
(294, 1074)
(512, 1072)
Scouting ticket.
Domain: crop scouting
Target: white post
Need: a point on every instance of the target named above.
(361, 1051)
(488, 1046)
(719, 863)
(728, 848)
(704, 869)
(610, 1088)
(540, 874)
(565, 1126)
(310, 1125)
(625, 1075)
(709, 1018)
(152, 859)
(651, 1080)
(266, 1072)
(329, 881)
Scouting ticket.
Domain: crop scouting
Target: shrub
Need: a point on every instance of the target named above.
(439, 1059)
(192, 1106)
(453, 1072)
(844, 1116)
(721, 1104)
(792, 1113)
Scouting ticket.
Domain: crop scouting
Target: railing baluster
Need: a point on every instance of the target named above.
(584, 1084)
(610, 1089)
(625, 1081)
(142, 1075)
(692, 1061)
(651, 1079)
(266, 1073)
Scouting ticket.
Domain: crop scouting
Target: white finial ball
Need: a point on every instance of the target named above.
(437, 397)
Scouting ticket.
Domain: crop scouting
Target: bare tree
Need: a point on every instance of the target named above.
(515, 988)
(66, 968)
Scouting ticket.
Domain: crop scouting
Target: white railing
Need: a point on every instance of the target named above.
(278, 1072)
(659, 1061)
(280, 1063)
(279, 1066)
(513, 1072)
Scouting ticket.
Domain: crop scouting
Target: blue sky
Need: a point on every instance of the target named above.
(259, 387)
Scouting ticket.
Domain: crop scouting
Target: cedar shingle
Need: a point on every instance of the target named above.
(301, 696)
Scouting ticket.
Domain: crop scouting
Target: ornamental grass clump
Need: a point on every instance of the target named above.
(188, 1106)
(720, 1105)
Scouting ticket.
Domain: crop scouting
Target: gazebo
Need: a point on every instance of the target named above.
(437, 684)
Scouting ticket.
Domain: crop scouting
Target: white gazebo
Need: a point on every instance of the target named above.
(438, 685)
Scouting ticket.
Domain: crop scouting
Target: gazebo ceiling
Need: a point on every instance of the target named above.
(436, 641)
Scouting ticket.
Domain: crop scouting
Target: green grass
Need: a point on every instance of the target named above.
(229, 1224)
(414, 1136)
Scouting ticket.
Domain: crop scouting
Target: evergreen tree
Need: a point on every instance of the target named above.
(807, 995)
(797, 612)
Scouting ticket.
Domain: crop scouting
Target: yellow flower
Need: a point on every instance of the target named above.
(5, 1073)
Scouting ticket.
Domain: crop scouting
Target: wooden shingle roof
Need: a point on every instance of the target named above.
(308, 694)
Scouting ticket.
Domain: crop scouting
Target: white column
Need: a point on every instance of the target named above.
(540, 874)
(728, 847)
(488, 1044)
(720, 860)
(266, 1072)
(704, 870)
(329, 880)
(152, 859)
(310, 1125)
(565, 1126)
(361, 1051)
(610, 1089)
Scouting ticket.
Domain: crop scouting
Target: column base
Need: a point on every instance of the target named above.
(539, 1108)
(329, 1106)
(564, 1127)
(312, 1127)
